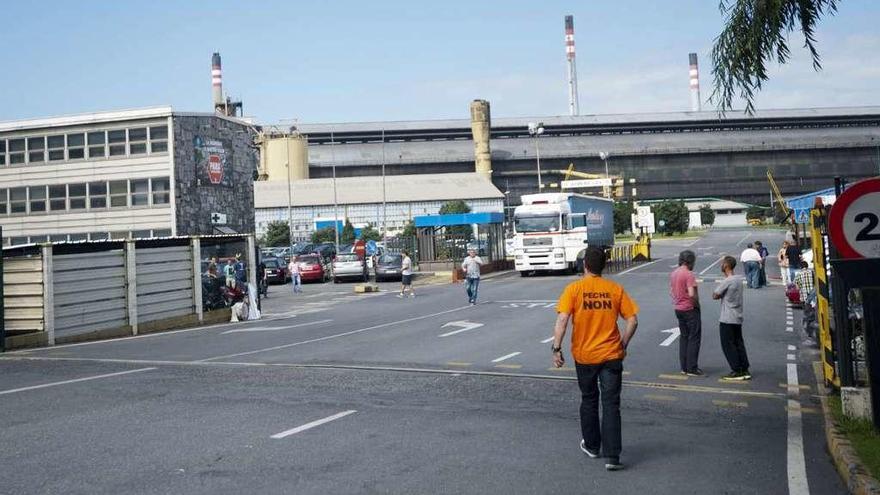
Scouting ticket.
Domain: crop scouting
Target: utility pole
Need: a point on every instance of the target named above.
(384, 204)
(535, 130)
(289, 197)
(335, 199)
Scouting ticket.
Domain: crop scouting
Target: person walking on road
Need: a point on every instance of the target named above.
(762, 268)
(295, 275)
(783, 264)
(593, 305)
(686, 302)
(406, 276)
(471, 266)
(751, 260)
(793, 255)
(730, 292)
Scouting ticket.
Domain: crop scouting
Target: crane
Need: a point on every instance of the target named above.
(777, 194)
(616, 180)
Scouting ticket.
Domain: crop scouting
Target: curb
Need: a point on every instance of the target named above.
(847, 462)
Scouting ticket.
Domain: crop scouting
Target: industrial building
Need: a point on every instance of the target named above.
(125, 174)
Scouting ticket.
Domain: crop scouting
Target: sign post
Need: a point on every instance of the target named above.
(854, 227)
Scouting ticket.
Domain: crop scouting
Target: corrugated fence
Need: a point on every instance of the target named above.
(89, 292)
(164, 283)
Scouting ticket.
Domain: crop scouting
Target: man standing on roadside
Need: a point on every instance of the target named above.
(471, 266)
(730, 292)
(762, 268)
(793, 255)
(686, 302)
(295, 275)
(593, 305)
(406, 275)
(751, 260)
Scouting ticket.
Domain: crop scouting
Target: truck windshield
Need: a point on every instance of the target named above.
(545, 223)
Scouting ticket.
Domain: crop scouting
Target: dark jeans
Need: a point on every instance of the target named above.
(762, 275)
(473, 286)
(733, 346)
(752, 269)
(691, 327)
(601, 381)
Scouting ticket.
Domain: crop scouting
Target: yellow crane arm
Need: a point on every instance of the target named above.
(777, 193)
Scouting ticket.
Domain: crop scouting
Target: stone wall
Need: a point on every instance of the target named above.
(214, 165)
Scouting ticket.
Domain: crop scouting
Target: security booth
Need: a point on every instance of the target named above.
(443, 240)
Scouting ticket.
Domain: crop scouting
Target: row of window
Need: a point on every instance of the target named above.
(93, 236)
(81, 145)
(29, 200)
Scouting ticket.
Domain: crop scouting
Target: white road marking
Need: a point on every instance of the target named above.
(710, 266)
(463, 326)
(527, 301)
(506, 357)
(790, 357)
(797, 469)
(637, 267)
(547, 340)
(674, 333)
(791, 347)
(66, 382)
(789, 329)
(271, 329)
(744, 238)
(309, 426)
(335, 336)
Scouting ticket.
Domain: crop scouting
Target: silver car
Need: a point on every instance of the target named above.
(349, 266)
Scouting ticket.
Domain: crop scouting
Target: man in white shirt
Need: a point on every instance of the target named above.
(295, 278)
(406, 276)
(751, 260)
(471, 266)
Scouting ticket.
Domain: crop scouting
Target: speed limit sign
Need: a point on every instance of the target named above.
(854, 222)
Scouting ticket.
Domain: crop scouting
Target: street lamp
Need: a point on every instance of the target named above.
(604, 156)
(384, 204)
(535, 130)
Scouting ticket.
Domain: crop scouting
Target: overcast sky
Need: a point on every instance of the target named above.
(348, 61)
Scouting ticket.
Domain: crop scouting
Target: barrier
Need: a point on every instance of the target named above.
(819, 236)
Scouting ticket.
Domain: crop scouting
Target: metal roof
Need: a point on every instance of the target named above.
(107, 116)
(451, 219)
(368, 190)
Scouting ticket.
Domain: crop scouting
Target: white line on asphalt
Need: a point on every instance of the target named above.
(269, 329)
(674, 333)
(790, 357)
(464, 326)
(791, 370)
(65, 382)
(506, 357)
(527, 301)
(710, 266)
(797, 470)
(547, 340)
(637, 267)
(309, 426)
(791, 347)
(789, 329)
(343, 334)
(744, 238)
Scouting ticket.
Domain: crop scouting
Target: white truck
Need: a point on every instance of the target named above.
(551, 230)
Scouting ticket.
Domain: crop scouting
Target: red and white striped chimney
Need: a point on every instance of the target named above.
(216, 81)
(572, 68)
(694, 75)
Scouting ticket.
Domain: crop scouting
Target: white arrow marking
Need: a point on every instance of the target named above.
(463, 325)
(674, 333)
(272, 329)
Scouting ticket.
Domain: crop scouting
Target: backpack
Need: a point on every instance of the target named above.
(793, 294)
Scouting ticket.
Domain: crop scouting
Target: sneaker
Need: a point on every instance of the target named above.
(696, 372)
(473, 304)
(745, 375)
(400, 296)
(683, 372)
(734, 376)
(613, 464)
(589, 452)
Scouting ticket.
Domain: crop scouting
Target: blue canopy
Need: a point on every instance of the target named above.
(803, 204)
(458, 219)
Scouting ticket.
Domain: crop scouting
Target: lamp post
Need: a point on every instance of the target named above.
(384, 204)
(289, 196)
(604, 156)
(335, 199)
(535, 130)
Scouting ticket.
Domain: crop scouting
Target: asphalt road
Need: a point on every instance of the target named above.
(340, 393)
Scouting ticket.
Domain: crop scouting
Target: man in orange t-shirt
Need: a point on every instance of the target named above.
(594, 304)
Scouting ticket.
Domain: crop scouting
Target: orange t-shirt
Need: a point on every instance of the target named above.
(595, 304)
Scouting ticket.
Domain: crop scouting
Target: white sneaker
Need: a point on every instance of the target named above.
(587, 451)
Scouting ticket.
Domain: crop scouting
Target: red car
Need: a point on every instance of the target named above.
(312, 268)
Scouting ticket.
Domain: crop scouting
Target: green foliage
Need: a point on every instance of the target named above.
(861, 433)
(369, 233)
(623, 211)
(327, 234)
(674, 214)
(458, 206)
(756, 33)
(707, 215)
(756, 212)
(277, 234)
(409, 231)
(347, 234)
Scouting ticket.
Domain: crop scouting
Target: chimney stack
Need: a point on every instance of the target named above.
(572, 68)
(217, 83)
(695, 83)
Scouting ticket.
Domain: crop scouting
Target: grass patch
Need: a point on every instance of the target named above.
(861, 433)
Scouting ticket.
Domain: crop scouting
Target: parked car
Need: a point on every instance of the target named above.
(388, 267)
(349, 266)
(326, 249)
(313, 268)
(305, 248)
(276, 271)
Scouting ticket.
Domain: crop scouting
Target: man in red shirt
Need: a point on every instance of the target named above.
(594, 304)
(686, 301)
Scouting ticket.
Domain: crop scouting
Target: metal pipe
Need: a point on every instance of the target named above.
(289, 199)
(384, 204)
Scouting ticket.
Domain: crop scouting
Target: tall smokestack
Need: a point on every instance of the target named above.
(481, 123)
(695, 83)
(217, 82)
(572, 68)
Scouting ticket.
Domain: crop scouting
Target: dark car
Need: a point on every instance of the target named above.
(388, 267)
(313, 268)
(326, 249)
(276, 271)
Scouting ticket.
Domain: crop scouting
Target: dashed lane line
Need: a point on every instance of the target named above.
(509, 366)
(726, 403)
(663, 376)
(457, 363)
(76, 380)
(506, 357)
(309, 426)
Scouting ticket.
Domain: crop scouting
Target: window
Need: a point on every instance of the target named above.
(77, 196)
(16, 151)
(58, 238)
(97, 142)
(38, 198)
(162, 233)
(58, 197)
(2, 152)
(17, 241)
(79, 237)
(97, 195)
(3, 201)
(117, 142)
(98, 236)
(160, 191)
(158, 139)
(118, 193)
(75, 146)
(140, 234)
(119, 234)
(140, 192)
(36, 149)
(18, 200)
(137, 141)
(56, 148)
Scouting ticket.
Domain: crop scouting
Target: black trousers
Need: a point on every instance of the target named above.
(733, 346)
(691, 327)
(601, 382)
